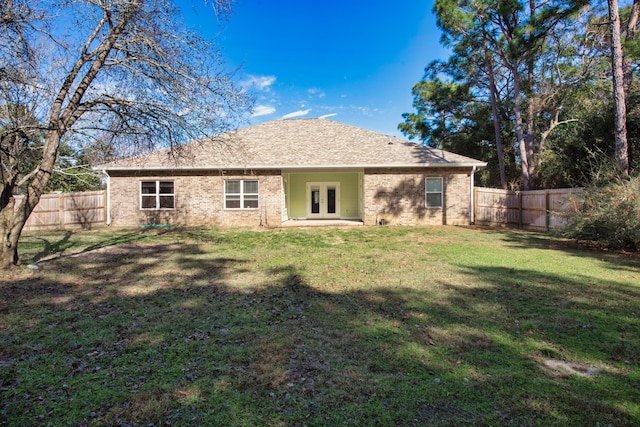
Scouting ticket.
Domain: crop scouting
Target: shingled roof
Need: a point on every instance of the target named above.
(295, 143)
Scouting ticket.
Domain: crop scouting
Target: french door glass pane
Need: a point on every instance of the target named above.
(315, 200)
(331, 200)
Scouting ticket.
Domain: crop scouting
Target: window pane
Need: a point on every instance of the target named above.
(434, 185)
(251, 187)
(148, 202)
(434, 200)
(232, 187)
(148, 187)
(250, 201)
(232, 202)
(166, 187)
(166, 202)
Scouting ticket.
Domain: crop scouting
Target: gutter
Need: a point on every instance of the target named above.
(472, 198)
(473, 165)
(108, 197)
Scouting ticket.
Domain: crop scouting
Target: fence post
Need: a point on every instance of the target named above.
(516, 207)
(547, 219)
(105, 203)
(475, 205)
(61, 210)
(519, 198)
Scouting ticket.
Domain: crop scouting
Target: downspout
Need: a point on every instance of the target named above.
(108, 197)
(472, 208)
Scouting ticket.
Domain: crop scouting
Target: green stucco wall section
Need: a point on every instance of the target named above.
(349, 197)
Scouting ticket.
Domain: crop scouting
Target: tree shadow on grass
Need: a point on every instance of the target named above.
(616, 260)
(581, 337)
(570, 310)
(405, 359)
(68, 240)
(53, 248)
(72, 244)
(112, 337)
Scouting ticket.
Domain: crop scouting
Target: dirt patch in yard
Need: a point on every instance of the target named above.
(561, 368)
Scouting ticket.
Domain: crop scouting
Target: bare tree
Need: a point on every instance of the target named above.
(122, 71)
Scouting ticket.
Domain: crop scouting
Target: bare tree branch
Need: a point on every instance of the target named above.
(127, 75)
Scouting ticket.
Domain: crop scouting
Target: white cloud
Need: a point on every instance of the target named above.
(326, 116)
(297, 114)
(368, 111)
(263, 110)
(316, 93)
(262, 83)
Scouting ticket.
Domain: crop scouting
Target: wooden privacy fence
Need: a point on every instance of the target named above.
(68, 210)
(538, 209)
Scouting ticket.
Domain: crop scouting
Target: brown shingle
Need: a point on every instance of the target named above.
(297, 143)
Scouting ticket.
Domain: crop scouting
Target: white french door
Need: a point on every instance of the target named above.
(323, 200)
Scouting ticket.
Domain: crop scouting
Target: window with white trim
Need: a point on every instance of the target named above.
(241, 194)
(157, 195)
(433, 192)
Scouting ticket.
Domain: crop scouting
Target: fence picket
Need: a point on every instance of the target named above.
(68, 210)
(537, 209)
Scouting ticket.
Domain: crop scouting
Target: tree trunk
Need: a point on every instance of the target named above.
(522, 142)
(522, 137)
(13, 216)
(530, 140)
(494, 112)
(620, 106)
(529, 136)
(9, 251)
(632, 28)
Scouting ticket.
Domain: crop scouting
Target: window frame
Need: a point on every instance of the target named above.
(427, 192)
(242, 196)
(157, 195)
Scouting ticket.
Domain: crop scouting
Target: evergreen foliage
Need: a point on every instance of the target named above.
(73, 173)
(546, 67)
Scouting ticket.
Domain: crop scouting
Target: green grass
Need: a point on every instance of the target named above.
(375, 326)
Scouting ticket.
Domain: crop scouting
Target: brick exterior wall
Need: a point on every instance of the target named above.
(199, 200)
(398, 197)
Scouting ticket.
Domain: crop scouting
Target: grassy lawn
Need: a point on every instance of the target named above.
(376, 326)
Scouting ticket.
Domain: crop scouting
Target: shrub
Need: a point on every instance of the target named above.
(608, 216)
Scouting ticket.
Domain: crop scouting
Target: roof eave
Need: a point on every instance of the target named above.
(279, 167)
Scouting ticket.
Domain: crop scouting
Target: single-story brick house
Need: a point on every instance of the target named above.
(285, 171)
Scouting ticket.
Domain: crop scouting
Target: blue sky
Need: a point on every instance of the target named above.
(353, 61)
